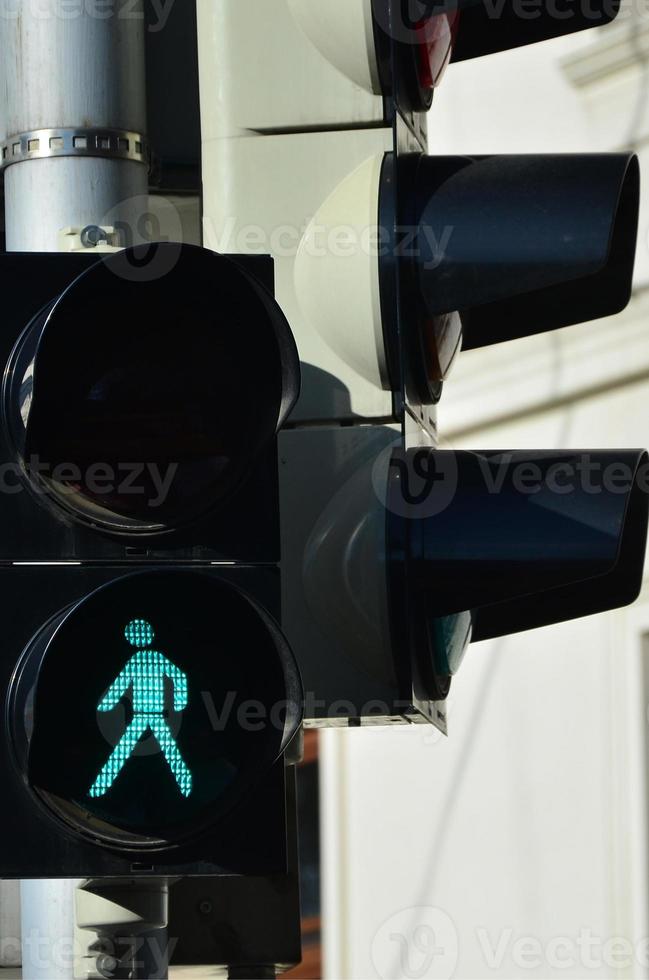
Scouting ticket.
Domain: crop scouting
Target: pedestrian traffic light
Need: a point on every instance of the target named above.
(389, 261)
(146, 710)
(149, 693)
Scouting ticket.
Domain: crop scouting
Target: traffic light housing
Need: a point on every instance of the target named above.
(69, 632)
(396, 560)
(396, 260)
(181, 388)
(200, 365)
(332, 178)
(150, 694)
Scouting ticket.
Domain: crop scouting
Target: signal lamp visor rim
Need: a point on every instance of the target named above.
(522, 244)
(186, 376)
(521, 539)
(36, 744)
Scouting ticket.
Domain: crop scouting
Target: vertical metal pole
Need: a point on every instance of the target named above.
(9, 924)
(9, 890)
(47, 927)
(65, 68)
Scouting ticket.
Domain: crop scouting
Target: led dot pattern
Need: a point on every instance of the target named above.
(144, 675)
(139, 633)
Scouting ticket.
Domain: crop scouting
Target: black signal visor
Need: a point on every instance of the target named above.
(416, 39)
(524, 244)
(523, 539)
(488, 26)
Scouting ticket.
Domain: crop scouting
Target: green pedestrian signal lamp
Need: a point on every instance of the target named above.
(145, 675)
(159, 754)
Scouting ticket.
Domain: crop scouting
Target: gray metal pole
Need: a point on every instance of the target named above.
(62, 71)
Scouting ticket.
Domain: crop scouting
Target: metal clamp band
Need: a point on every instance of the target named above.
(40, 144)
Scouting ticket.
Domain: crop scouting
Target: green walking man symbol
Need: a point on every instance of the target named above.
(145, 674)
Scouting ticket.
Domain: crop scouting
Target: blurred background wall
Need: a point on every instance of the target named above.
(518, 846)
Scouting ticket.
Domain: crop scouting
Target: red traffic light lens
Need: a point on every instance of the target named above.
(436, 39)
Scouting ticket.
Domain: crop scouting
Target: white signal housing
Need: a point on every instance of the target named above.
(337, 283)
(281, 65)
(343, 32)
(294, 138)
(301, 198)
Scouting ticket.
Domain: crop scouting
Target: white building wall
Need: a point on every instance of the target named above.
(518, 846)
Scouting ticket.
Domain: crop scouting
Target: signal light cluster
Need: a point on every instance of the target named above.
(117, 669)
(394, 554)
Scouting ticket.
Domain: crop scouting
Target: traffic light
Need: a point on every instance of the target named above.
(389, 261)
(397, 558)
(276, 153)
(487, 249)
(150, 694)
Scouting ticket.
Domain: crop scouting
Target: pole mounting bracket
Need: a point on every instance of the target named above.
(40, 144)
